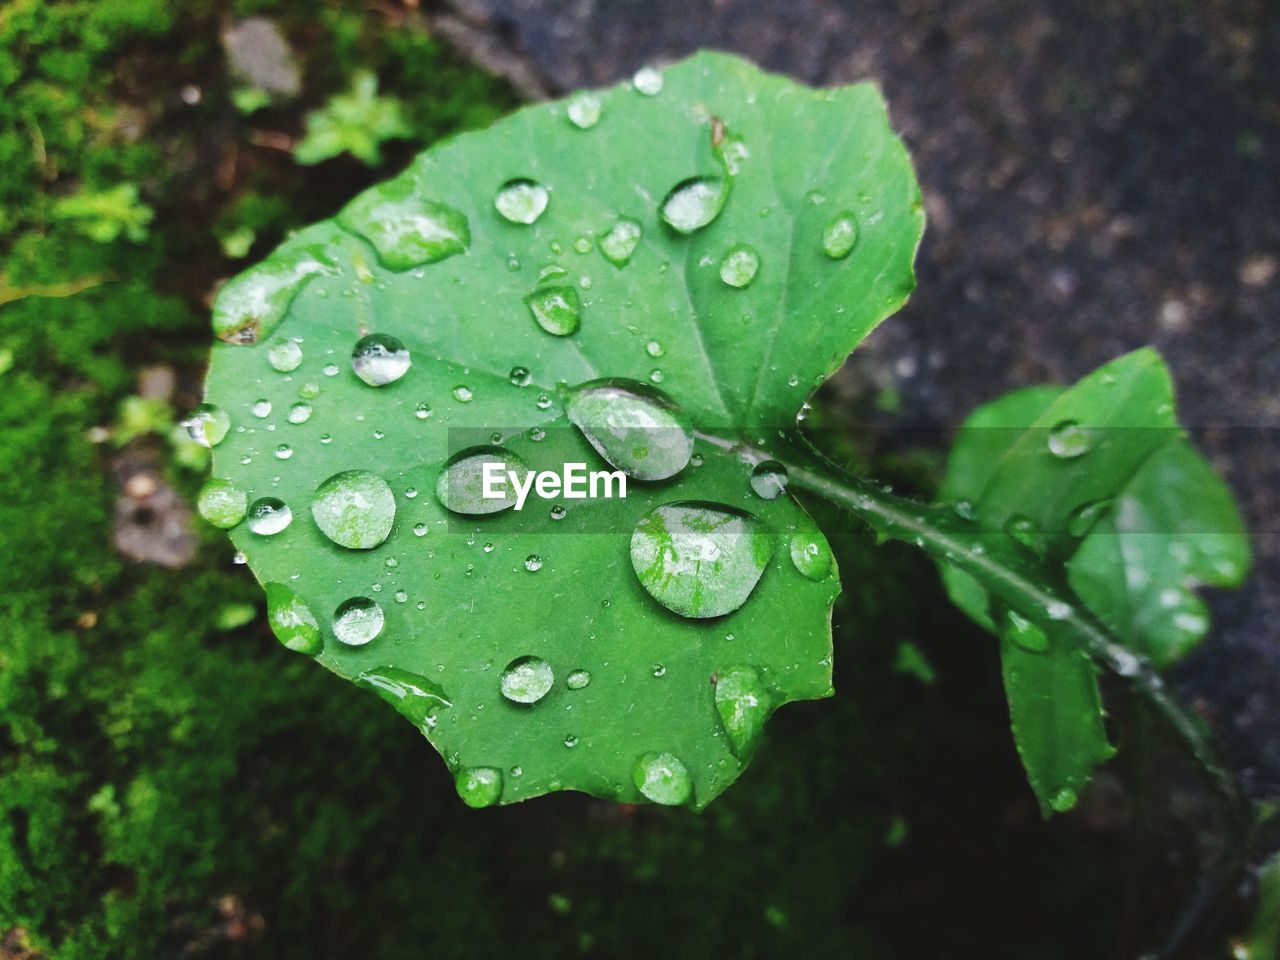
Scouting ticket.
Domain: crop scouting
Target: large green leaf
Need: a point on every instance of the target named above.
(727, 239)
(1096, 483)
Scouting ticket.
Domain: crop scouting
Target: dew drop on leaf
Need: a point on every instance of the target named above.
(648, 81)
(584, 110)
(522, 200)
(284, 452)
(743, 702)
(811, 555)
(460, 486)
(354, 509)
(556, 309)
(663, 779)
(621, 241)
(1081, 520)
(1025, 532)
(636, 428)
(1025, 634)
(840, 236)
(479, 786)
(1063, 800)
(251, 305)
(222, 503)
(578, 680)
(268, 516)
(533, 563)
(379, 359)
(462, 393)
(1068, 440)
(526, 680)
(261, 409)
(700, 559)
(406, 230)
(285, 356)
(520, 377)
(769, 479)
(415, 698)
(208, 425)
(422, 410)
(299, 412)
(291, 620)
(357, 621)
(694, 203)
(739, 266)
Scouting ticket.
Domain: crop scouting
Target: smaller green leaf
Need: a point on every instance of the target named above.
(356, 122)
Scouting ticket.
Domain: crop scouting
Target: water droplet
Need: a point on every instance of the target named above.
(354, 509)
(285, 356)
(462, 393)
(647, 81)
(811, 555)
(520, 377)
(556, 309)
(1082, 519)
(522, 201)
(309, 391)
(662, 778)
(621, 241)
(636, 428)
(422, 411)
(769, 479)
(558, 512)
(419, 529)
(739, 266)
(379, 359)
(584, 110)
(207, 425)
(743, 702)
(526, 680)
(654, 349)
(544, 402)
(1063, 800)
(479, 787)
(840, 236)
(533, 563)
(261, 409)
(700, 559)
(222, 503)
(578, 680)
(284, 452)
(659, 671)
(1069, 440)
(268, 516)
(415, 698)
(460, 486)
(1024, 531)
(251, 305)
(331, 369)
(571, 741)
(965, 510)
(299, 412)
(1058, 610)
(694, 203)
(292, 621)
(405, 228)
(582, 245)
(357, 621)
(1025, 634)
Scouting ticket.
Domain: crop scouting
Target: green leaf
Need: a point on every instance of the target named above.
(672, 621)
(1097, 484)
(356, 122)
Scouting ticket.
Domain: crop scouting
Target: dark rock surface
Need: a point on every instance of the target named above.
(1097, 177)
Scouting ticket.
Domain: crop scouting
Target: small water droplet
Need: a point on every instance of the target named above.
(261, 409)
(284, 452)
(1082, 519)
(811, 555)
(578, 680)
(357, 621)
(663, 779)
(354, 509)
(379, 359)
(584, 110)
(840, 236)
(743, 702)
(556, 309)
(654, 349)
(526, 680)
(1025, 634)
(419, 529)
(571, 741)
(285, 356)
(479, 787)
(520, 377)
(659, 671)
(208, 425)
(694, 203)
(1063, 800)
(268, 516)
(558, 512)
(292, 621)
(222, 503)
(533, 563)
(769, 479)
(648, 81)
(299, 412)
(462, 393)
(309, 391)
(331, 369)
(1068, 440)
(621, 241)
(522, 200)
(739, 266)
(544, 402)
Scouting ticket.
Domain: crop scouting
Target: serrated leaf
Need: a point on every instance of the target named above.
(1098, 483)
(632, 711)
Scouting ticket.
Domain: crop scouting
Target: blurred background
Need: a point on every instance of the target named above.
(172, 785)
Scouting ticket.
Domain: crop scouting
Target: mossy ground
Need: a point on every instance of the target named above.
(173, 784)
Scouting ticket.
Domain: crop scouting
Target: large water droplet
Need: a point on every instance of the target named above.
(379, 359)
(743, 702)
(479, 786)
(1025, 634)
(522, 201)
(739, 266)
(840, 236)
(584, 110)
(1068, 440)
(285, 356)
(415, 697)
(700, 559)
(1063, 800)
(222, 503)
(663, 778)
(527, 680)
(811, 555)
(292, 621)
(406, 229)
(637, 428)
(648, 81)
(621, 241)
(556, 309)
(268, 516)
(694, 203)
(354, 509)
(357, 621)
(769, 479)
(460, 486)
(251, 305)
(208, 425)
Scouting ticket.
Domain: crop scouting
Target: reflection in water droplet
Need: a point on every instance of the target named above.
(578, 680)
(694, 203)
(700, 559)
(405, 228)
(285, 356)
(739, 266)
(526, 680)
(769, 479)
(662, 778)
(479, 786)
(357, 621)
(584, 110)
(460, 486)
(647, 81)
(354, 509)
(520, 377)
(811, 555)
(621, 241)
(636, 428)
(522, 201)
(268, 516)
(415, 697)
(840, 236)
(292, 621)
(222, 503)
(556, 309)
(379, 359)
(533, 563)
(743, 702)
(208, 425)
(1069, 440)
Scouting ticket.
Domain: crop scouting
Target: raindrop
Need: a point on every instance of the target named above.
(284, 452)
(584, 110)
(558, 512)
(252, 304)
(1026, 634)
(621, 241)
(422, 410)
(222, 503)
(636, 428)
(331, 369)
(521, 201)
(578, 680)
(743, 702)
(379, 359)
(526, 680)
(460, 486)
(285, 356)
(1082, 519)
(357, 621)
(354, 509)
(299, 412)
(406, 229)
(292, 621)
(769, 479)
(462, 393)
(647, 81)
(543, 402)
(840, 236)
(479, 786)
(1063, 800)
(261, 409)
(1069, 440)
(520, 377)
(1024, 531)
(556, 309)
(208, 425)
(570, 741)
(662, 778)
(654, 349)
(414, 696)
(700, 559)
(739, 266)
(811, 555)
(533, 563)
(309, 391)
(694, 203)
(268, 516)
